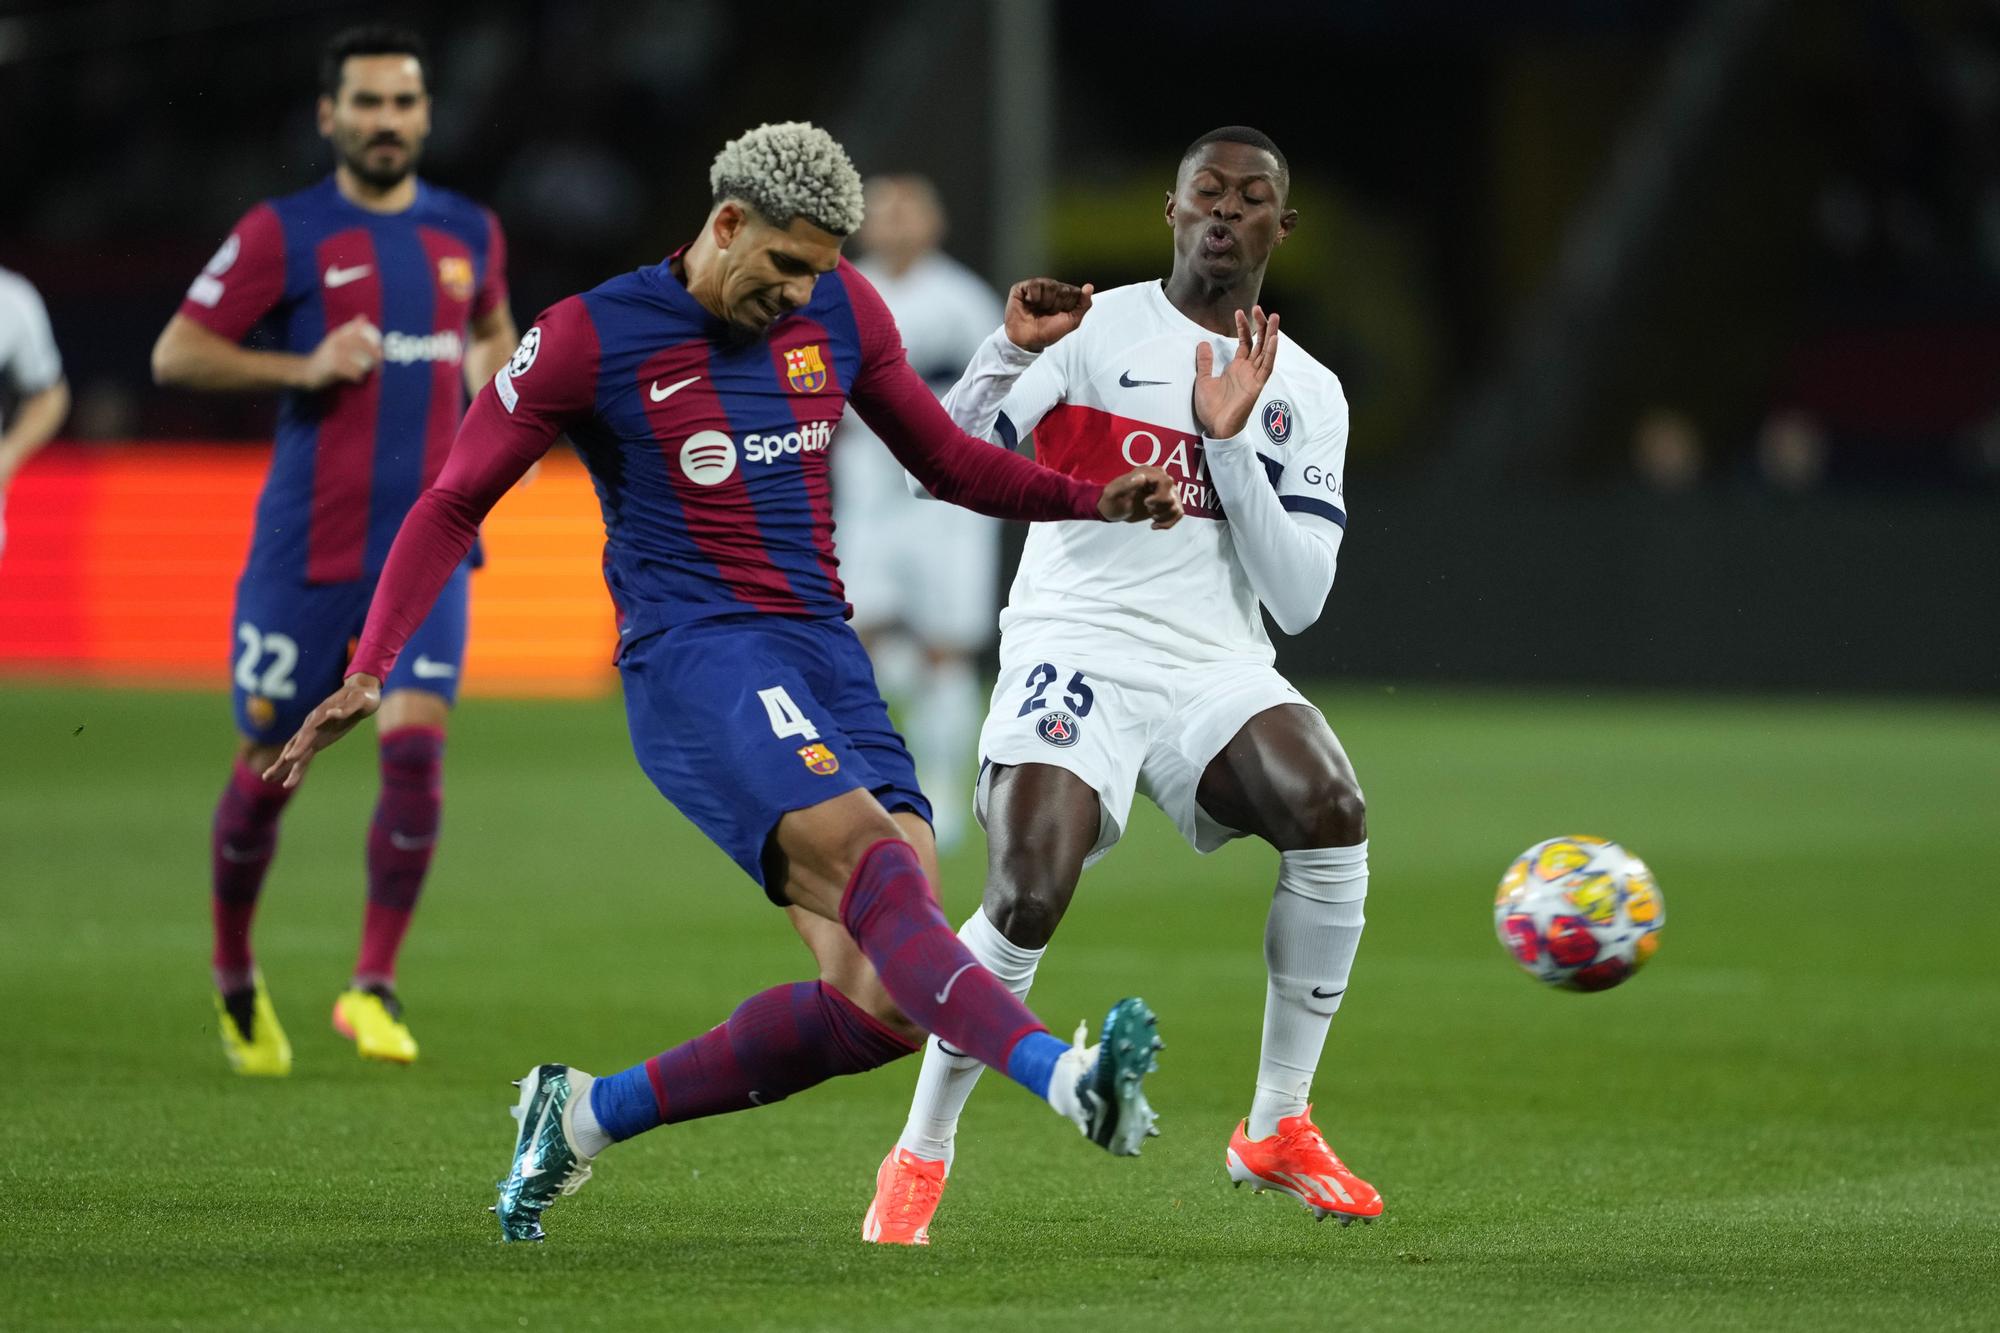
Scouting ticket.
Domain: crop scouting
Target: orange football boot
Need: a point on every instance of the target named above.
(1296, 1161)
(907, 1190)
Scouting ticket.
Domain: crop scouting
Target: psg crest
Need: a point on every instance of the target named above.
(1057, 728)
(1278, 420)
(804, 370)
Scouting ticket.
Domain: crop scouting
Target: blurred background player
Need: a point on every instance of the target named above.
(387, 295)
(921, 576)
(1128, 670)
(32, 375)
(702, 393)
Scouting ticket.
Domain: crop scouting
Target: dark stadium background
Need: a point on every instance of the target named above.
(1670, 328)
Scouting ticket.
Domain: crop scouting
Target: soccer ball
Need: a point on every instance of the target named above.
(1580, 913)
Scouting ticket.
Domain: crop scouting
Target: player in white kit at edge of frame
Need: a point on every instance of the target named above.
(923, 578)
(1146, 668)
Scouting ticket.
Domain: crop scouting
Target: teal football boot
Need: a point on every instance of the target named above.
(546, 1164)
(1116, 1115)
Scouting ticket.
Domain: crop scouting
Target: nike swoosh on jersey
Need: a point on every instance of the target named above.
(1125, 381)
(945, 994)
(660, 395)
(425, 669)
(336, 276)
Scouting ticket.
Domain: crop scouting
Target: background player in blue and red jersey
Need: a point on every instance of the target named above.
(388, 298)
(702, 393)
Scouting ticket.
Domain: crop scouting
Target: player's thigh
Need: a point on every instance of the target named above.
(1090, 720)
(1285, 778)
(432, 662)
(288, 650)
(728, 727)
(1042, 824)
(1248, 755)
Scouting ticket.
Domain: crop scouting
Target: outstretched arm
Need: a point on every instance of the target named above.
(491, 453)
(952, 465)
(549, 384)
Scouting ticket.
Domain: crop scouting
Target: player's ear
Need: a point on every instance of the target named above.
(1170, 208)
(727, 224)
(1286, 221)
(325, 111)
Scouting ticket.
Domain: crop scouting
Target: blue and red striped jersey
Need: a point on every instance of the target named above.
(351, 460)
(708, 449)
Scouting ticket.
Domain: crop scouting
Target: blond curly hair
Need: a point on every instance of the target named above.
(793, 169)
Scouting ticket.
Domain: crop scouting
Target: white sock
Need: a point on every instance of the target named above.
(580, 1125)
(945, 715)
(1071, 1066)
(946, 1080)
(1309, 944)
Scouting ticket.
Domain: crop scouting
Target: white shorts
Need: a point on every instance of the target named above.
(930, 566)
(1124, 724)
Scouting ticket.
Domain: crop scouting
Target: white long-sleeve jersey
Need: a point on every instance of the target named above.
(1265, 510)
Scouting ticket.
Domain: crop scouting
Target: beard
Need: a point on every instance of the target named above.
(376, 176)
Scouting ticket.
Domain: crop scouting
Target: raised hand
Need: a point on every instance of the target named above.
(1222, 402)
(346, 355)
(1041, 310)
(358, 696)
(1143, 493)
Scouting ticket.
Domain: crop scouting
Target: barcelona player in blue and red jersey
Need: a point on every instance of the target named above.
(386, 295)
(703, 393)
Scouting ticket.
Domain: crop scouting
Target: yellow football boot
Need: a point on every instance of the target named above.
(373, 1021)
(261, 1052)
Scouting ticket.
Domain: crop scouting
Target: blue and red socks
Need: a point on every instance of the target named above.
(242, 841)
(401, 841)
(892, 912)
(781, 1041)
(789, 1038)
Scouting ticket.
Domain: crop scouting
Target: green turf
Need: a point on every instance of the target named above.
(1789, 1120)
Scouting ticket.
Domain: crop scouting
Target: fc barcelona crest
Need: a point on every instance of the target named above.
(820, 759)
(455, 276)
(804, 370)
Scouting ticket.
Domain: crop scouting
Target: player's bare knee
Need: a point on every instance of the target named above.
(1027, 908)
(257, 757)
(1333, 813)
(864, 835)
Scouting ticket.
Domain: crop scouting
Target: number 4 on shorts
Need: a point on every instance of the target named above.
(786, 719)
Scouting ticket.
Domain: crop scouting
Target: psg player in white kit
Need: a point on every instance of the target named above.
(1129, 667)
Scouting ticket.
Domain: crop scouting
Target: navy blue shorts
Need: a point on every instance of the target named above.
(292, 642)
(739, 719)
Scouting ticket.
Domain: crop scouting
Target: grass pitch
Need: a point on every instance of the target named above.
(1789, 1120)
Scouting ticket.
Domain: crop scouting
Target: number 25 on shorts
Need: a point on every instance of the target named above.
(1078, 696)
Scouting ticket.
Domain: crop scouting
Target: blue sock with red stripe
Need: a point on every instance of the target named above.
(778, 1042)
(892, 912)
